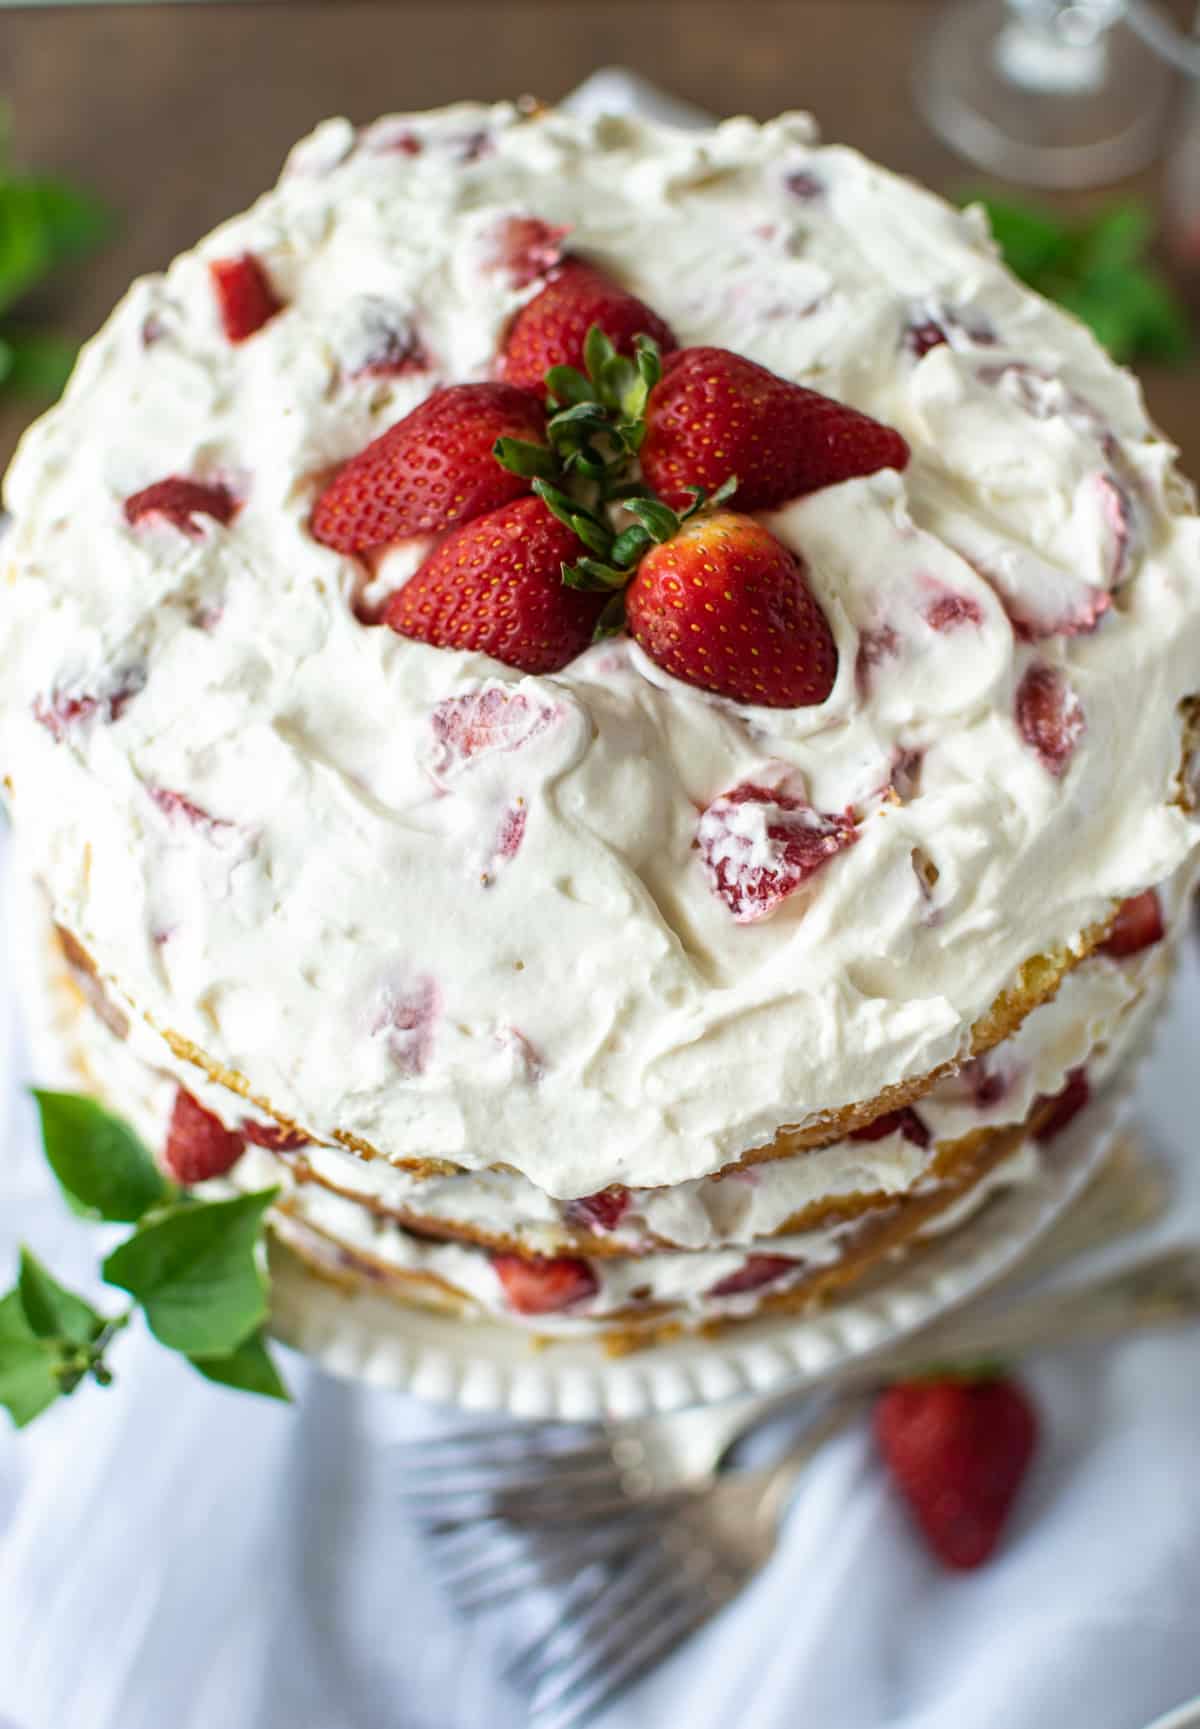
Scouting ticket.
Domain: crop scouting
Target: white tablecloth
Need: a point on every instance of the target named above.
(175, 1556)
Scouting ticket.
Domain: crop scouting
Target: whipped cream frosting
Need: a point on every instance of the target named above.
(240, 794)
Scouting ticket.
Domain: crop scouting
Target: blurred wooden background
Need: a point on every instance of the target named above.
(179, 116)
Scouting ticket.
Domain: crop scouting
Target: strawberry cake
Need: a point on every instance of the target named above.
(609, 708)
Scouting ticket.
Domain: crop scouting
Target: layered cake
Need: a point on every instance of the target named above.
(609, 708)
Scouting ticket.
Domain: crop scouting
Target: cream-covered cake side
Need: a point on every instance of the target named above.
(235, 788)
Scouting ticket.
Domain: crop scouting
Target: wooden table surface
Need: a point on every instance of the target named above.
(181, 115)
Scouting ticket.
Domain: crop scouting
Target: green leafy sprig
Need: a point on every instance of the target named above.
(195, 1268)
(597, 421)
(44, 224)
(1098, 267)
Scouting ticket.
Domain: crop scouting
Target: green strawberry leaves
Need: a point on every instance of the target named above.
(99, 1162)
(195, 1268)
(1098, 268)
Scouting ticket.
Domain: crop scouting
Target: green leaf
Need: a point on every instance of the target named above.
(629, 546)
(196, 1274)
(6, 360)
(525, 459)
(1031, 240)
(612, 620)
(52, 1311)
(597, 352)
(25, 249)
(250, 1368)
(74, 220)
(28, 1382)
(567, 384)
(649, 361)
(98, 1159)
(659, 520)
(592, 575)
(1118, 235)
(39, 364)
(594, 534)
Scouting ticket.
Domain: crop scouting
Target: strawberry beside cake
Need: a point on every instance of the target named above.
(610, 707)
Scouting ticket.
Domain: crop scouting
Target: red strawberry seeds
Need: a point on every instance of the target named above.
(494, 586)
(245, 298)
(715, 414)
(958, 1451)
(550, 329)
(726, 606)
(432, 471)
(199, 1146)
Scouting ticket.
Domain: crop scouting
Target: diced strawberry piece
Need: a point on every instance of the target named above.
(715, 415)
(602, 1211)
(921, 339)
(245, 298)
(905, 1122)
(1050, 716)
(958, 1452)
(174, 805)
(511, 832)
(381, 341)
(273, 1136)
(199, 1146)
(485, 723)
(550, 330)
(949, 611)
(433, 470)
(405, 1016)
(758, 846)
(1062, 1107)
(544, 1284)
(758, 1270)
(1138, 925)
(805, 186)
(528, 248)
(986, 1087)
(180, 501)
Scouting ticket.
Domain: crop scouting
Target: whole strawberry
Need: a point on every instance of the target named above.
(958, 1451)
(714, 414)
(551, 329)
(494, 586)
(199, 1146)
(431, 471)
(726, 606)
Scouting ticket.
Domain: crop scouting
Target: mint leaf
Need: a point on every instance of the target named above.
(1031, 240)
(39, 365)
(73, 220)
(195, 1272)
(28, 1383)
(250, 1368)
(1118, 235)
(52, 1311)
(25, 251)
(98, 1160)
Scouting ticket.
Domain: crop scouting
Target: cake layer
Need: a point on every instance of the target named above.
(255, 809)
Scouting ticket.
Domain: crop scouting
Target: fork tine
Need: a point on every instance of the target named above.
(514, 1437)
(640, 1618)
(596, 1686)
(494, 1576)
(602, 1613)
(488, 1473)
(602, 1498)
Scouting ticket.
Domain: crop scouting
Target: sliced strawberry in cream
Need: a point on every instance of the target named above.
(273, 1136)
(526, 249)
(178, 808)
(1049, 716)
(1137, 926)
(757, 1271)
(1062, 1107)
(758, 846)
(62, 711)
(545, 1284)
(405, 1016)
(182, 502)
(904, 1122)
(602, 1211)
(485, 723)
